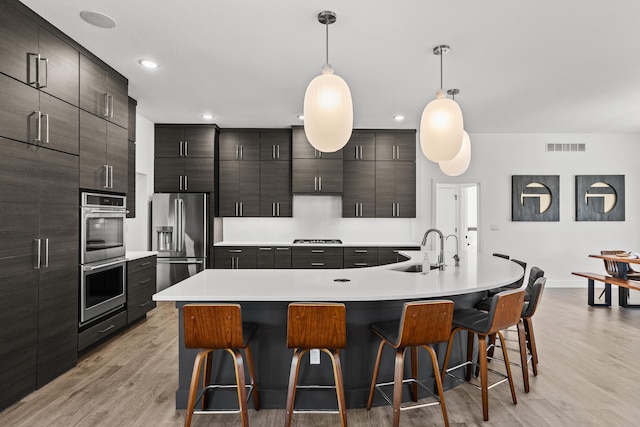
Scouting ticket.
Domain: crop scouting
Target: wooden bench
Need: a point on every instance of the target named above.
(608, 281)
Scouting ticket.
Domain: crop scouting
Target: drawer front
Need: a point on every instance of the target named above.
(141, 264)
(316, 257)
(265, 257)
(360, 257)
(235, 257)
(390, 255)
(282, 257)
(139, 294)
(101, 330)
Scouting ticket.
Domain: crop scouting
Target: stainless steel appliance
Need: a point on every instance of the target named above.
(102, 288)
(179, 235)
(102, 259)
(102, 229)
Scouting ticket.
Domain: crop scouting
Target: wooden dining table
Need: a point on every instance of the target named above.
(623, 270)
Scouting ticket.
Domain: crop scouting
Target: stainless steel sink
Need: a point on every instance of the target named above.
(414, 268)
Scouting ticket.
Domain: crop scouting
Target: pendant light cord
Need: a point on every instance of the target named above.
(326, 24)
(441, 55)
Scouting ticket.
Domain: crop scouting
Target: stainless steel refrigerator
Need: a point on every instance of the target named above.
(179, 235)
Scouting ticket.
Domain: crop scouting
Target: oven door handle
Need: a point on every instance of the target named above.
(97, 267)
(107, 211)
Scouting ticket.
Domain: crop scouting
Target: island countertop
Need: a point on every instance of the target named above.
(477, 272)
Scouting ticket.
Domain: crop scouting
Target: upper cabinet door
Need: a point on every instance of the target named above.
(119, 101)
(169, 141)
(361, 146)
(199, 141)
(102, 93)
(18, 44)
(239, 145)
(275, 145)
(61, 74)
(396, 145)
(18, 117)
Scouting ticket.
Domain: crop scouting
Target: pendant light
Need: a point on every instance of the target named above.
(441, 126)
(328, 108)
(460, 163)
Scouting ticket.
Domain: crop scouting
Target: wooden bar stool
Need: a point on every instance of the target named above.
(505, 311)
(211, 327)
(422, 324)
(322, 326)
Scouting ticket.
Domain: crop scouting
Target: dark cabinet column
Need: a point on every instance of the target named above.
(359, 192)
(93, 156)
(275, 189)
(62, 69)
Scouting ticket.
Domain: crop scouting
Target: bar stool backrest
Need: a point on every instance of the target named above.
(317, 325)
(536, 295)
(212, 326)
(425, 322)
(506, 309)
(534, 275)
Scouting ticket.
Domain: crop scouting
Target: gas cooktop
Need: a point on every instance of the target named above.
(320, 241)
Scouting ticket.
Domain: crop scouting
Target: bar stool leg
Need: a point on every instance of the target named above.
(523, 356)
(193, 389)
(252, 372)
(436, 374)
(375, 374)
(240, 382)
(293, 381)
(470, 336)
(528, 324)
(208, 361)
(508, 367)
(446, 357)
(414, 373)
(482, 356)
(337, 374)
(397, 385)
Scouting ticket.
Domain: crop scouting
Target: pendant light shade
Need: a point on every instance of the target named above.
(441, 129)
(328, 112)
(441, 125)
(328, 108)
(460, 163)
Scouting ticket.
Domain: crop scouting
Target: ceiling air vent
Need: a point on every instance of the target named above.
(566, 147)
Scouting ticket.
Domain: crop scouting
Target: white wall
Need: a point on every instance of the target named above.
(138, 227)
(557, 247)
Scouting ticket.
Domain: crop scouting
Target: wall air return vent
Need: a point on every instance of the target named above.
(565, 147)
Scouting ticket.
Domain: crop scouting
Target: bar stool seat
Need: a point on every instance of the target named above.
(422, 324)
(211, 327)
(505, 311)
(320, 326)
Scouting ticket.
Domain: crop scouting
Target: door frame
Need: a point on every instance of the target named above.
(461, 185)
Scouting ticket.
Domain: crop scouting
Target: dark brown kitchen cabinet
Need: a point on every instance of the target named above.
(141, 285)
(185, 141)
(317, 176)
(398, 145)
(38, 266)
(235, 257)
(275, 144)
(104, 155)
(390, 255)
(32, 116)
(239, 145)
(275, 189)
(131, 120)
(274, 257)
(131, 169)
(239, 188)
(357, 257)
(36, 57)
(316, 257)
(361, 146)
(103, 93)
(395, 189)
(359, 192)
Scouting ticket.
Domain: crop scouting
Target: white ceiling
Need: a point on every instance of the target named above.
(548, 66)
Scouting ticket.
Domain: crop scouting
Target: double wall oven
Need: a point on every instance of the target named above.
(102, 253)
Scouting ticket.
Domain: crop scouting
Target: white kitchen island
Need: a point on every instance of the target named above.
(372, 294)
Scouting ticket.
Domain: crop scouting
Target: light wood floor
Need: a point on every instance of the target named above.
(588, 376)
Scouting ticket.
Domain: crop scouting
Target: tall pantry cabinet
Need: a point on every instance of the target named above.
(40, 166)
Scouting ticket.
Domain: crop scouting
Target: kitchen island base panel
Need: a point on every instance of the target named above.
(272, 358)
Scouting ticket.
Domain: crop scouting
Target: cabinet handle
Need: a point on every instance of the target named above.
(320, 183)
(360, 264)
(356, 150)
(264, 249)
(181, 148)
(317, 264)
(273, 151)
(278, 151)
(46, 253)
(278, 208)
(397, 152)
(147, 302)
(37, 57)
(237, 263)
(36, 266)
(111, 176)
(356, 209)
(39, 127)
(144, 281)
(46, 72)
(186, 148)
(282, 249)
(317, 251)
(393, 205)
(111, 106)
(106, 176)
(235, 251)
(273, 209)
(186, 183)
(143, 264)
(106, 106)
(107, 329)
(46, 140)
(242, 152)
(180, 182)
(398, 209)
(360, 251)
(315, 183)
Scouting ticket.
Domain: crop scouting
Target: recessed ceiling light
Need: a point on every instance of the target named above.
(398, 117)
(301, 116)
(207, 116)
(147, 63)
(98, 19)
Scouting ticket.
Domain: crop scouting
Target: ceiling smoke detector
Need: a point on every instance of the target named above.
(97, 19)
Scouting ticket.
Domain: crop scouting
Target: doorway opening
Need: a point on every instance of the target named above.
(456, 213)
